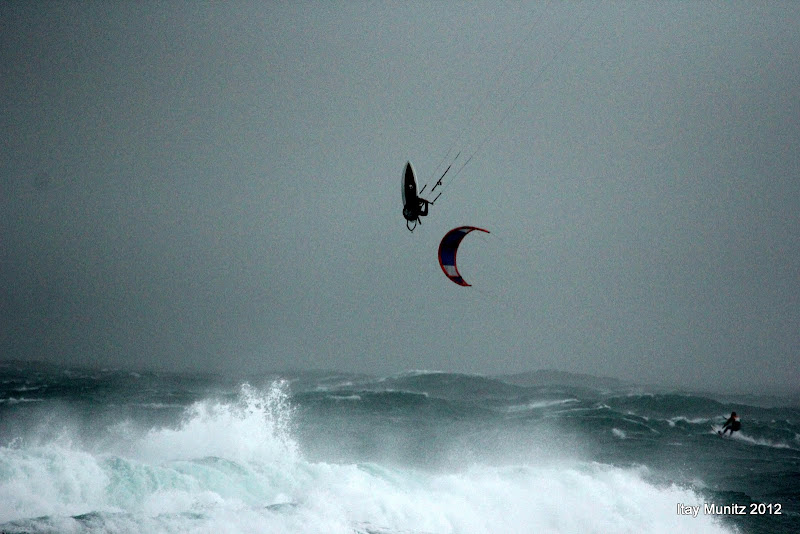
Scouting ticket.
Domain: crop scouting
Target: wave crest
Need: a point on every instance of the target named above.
(257, 426)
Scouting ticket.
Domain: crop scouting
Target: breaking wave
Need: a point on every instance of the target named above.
(235, 466)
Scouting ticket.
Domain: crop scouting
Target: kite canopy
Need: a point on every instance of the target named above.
(447, 252)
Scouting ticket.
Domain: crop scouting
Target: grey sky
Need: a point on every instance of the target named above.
(217, 186)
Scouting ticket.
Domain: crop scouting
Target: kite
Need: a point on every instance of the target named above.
(448, 249)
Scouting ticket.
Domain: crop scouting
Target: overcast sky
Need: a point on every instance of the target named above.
(216, 186)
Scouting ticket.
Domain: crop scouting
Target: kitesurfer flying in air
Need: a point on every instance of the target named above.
(733, 424)
(414, 207)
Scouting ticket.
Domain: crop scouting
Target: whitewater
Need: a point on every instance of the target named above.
(420, 452)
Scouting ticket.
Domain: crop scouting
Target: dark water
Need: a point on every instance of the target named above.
(115, 451)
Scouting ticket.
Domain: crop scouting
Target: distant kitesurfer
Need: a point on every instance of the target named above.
(414, 206)
(733, 424)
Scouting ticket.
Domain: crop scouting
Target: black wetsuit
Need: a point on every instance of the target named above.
(731, 424)
(416, 208)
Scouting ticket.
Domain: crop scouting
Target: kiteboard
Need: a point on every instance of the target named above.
(409, 184)
(717, 430)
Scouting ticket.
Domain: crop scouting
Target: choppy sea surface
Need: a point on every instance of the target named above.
(419, 452)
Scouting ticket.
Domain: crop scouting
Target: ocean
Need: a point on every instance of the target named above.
(419, 452)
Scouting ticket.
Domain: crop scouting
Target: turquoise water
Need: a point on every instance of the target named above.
(420, 452)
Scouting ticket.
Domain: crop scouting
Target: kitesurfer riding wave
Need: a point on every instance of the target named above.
(732, 424)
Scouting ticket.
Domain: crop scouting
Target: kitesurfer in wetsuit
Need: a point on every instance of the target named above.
(733, 424)
(414, 209)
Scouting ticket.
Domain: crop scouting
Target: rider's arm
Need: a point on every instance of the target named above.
(423, 207)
